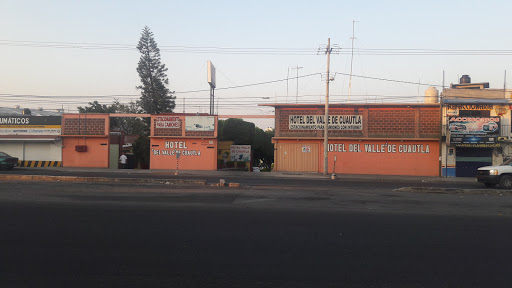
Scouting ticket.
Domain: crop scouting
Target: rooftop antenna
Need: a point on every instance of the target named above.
(351, 60)
(505, 81)
(297, 95)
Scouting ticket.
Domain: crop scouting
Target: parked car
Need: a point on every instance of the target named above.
(7, 161)
(457, 127)
(493, 175)
(490, 127)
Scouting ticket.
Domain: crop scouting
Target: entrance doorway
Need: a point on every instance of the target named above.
(468, 160)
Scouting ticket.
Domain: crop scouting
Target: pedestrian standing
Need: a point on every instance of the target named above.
(123, 160)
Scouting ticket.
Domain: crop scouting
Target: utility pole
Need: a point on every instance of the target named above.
(297, 95)
(351, 60)
(441, 120)
(328, 51)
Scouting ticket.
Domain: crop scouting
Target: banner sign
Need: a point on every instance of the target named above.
(167, 122)
(199, 123)
(30, 125)
(470, 107)
(474, 130)
(241, 153)
(317, 122)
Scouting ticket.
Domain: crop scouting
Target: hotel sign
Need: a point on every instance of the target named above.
(317, 122)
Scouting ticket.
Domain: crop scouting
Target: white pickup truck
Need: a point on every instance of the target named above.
(493, 175)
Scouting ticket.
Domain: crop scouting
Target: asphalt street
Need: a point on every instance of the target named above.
(361, 235)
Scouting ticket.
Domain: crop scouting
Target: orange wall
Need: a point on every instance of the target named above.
(203, 153)
(97, 155)
(376, 157)
(379, 158)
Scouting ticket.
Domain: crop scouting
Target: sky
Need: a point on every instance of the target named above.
(64, 54)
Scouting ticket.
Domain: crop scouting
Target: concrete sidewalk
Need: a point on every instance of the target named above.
(199, 174)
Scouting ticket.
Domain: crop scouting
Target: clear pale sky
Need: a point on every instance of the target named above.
(84, 75)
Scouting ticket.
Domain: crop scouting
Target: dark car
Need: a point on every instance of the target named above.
(7, 161)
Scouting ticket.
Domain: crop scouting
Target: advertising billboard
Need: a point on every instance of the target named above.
(199, 123)
(474, 131)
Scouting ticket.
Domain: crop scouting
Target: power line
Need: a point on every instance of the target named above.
(389, 80)
(261, 51)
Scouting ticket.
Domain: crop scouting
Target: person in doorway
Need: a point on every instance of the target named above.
(123, 160)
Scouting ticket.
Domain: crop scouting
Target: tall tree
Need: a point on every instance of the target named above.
(155, 97)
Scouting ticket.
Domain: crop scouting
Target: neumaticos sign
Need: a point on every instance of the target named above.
(30, 125)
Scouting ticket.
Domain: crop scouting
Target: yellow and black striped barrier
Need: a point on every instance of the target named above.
(40, 163)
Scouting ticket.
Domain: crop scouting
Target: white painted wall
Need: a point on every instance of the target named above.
(15, 149)
(33, 151)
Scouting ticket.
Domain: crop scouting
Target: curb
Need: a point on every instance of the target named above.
(44, 178)
(453, 190)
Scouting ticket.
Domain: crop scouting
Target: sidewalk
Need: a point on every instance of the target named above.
(138, 173)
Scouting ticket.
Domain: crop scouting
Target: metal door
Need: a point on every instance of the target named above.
(297, 157)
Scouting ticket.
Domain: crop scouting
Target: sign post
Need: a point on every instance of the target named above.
(178, 154)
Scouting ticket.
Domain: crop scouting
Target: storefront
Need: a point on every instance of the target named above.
(34, 140)
(385, 139)
(477, 135)
(183, 142)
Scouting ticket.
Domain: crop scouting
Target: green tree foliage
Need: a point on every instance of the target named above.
(141, 150)
(129, 125)
(262, 147)
(95, 107)
(238, 131)
(246, 133)
(155, 97)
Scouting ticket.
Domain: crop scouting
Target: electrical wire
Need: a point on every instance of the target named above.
(262, 51)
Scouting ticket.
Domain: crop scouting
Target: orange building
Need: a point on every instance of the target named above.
(183, 142)
(386, 139)
(85, 140)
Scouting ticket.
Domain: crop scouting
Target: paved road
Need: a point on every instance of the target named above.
(115, 235)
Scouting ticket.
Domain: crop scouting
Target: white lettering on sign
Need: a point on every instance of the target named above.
(380, 148)
(317, 122)
(175, 145)
(177, 152)
(167, 122)
(13, 120)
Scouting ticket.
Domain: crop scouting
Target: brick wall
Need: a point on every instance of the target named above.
(200, 133)
(429, 122)
(378, 122)
(391, 123)
(84, 126)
